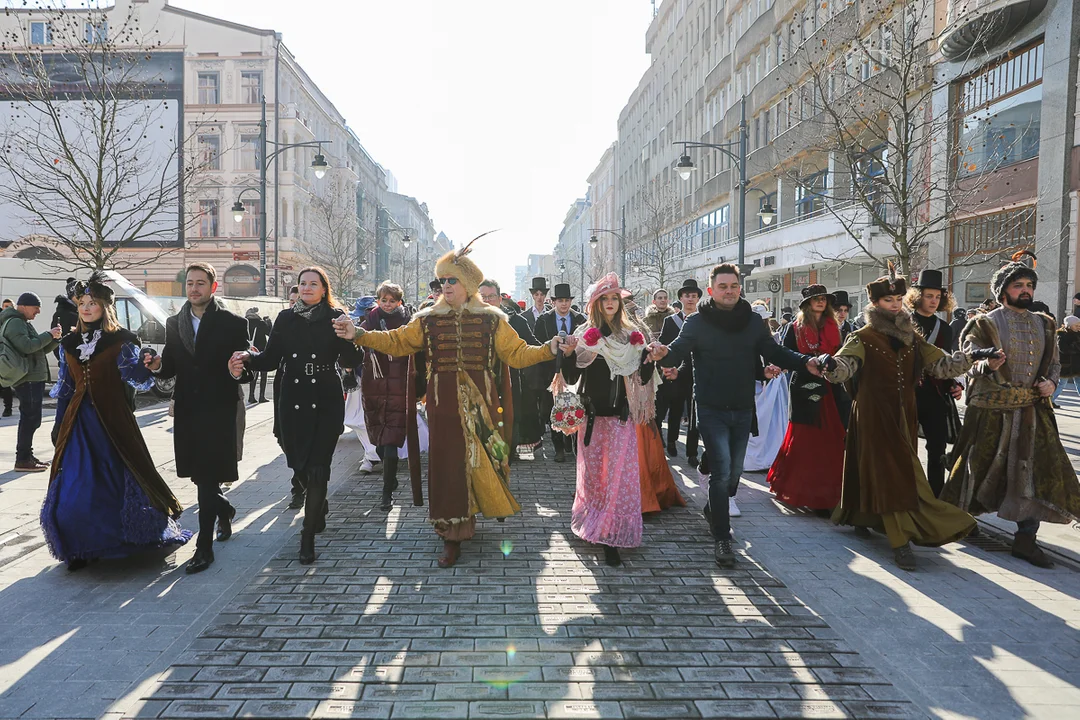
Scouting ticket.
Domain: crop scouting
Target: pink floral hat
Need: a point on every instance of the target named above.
(606, 284)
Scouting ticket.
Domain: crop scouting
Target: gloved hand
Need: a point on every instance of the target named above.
(827, 362)
(985, 353)
(349, 383)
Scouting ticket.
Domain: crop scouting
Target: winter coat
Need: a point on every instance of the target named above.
(207, 398)
(655, 318)
(384, 383)
(28, 342)
(311, 409)
(547, 327)
(257, 330)
(1069, 352)
(727, 347)
(66, 315)
(683, 385)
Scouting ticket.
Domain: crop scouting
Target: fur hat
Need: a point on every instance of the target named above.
(887, 285)
(1012, 271)
(455, 264)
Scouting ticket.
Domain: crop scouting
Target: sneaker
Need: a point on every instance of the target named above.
(30, 466)
(46, 463)
(723, 554)
(367, 467)
(904, 557)
(733, 509)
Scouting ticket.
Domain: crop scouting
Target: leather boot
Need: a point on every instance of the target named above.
(315, 503)
(390, 481)
(1025, 548)
(307, 547)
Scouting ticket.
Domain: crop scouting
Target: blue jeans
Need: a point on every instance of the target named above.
(30, 396)
(725, 434)
(1061, 386)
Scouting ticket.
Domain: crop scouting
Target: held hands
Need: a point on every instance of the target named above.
(657, 352)
(994, 358)
(772, 371)
(670, 373)
(56, 332)
(566, 344)
(152, 362)
(957, 391)
(344, 328)
(236, 363)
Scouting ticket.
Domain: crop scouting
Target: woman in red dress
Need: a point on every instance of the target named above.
(809, 469)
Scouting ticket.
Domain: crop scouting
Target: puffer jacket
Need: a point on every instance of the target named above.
(384, 383)
(21, 335)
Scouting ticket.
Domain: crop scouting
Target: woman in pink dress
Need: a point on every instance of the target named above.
(618, 394)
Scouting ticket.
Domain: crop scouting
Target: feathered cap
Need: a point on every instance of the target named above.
(95, 287)
(887, 285)
(608, 283)
(1018, 268)
(455, 264)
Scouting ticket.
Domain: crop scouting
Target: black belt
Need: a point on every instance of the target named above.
(312, 368)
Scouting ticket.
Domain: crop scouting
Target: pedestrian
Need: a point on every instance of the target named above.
(354, 405)
(312, 405)
(6, 393)
(105, 497)
(727, 341)
(935, 399)
(960, 320)
(66, 314)
(384, 383)
(198, 343)
(560, 319)
(23, 368)
(1009, 458)
(842, 311)
(809, 469)
(258, 330)
(659, 310)
(614, 472)
(539, 292)
(1068, 342)
(884, 485)
(297, 482)
(527, 430)
(468, 468)
(675, 397)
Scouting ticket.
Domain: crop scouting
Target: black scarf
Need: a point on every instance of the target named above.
(733, 320)
(187, 328)
(311, 313)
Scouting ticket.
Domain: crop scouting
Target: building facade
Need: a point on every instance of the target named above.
(409, 265)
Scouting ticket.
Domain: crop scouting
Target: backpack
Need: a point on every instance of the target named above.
(14, 366)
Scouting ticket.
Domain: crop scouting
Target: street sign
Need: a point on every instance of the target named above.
(245, 255)
(279, 267)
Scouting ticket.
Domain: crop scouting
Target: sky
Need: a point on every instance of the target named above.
(493, 112)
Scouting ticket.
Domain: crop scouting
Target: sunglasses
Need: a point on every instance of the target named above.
(447, 281)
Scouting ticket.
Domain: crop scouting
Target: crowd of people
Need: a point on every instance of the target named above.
(830, 406)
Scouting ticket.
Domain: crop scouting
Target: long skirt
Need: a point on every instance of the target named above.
(94, 507)
(809, 470)
(772, 417)
(607, 503)
(658, 490)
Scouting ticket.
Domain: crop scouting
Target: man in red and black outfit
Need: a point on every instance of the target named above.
(935, 399)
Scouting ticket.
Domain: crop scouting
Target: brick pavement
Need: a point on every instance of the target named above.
(531, 623)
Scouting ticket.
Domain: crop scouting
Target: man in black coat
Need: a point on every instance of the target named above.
(676, 396)
(199, 341)
(258, 329)
(842, 308)
(560, 318)
(67, 314)
(539, 292)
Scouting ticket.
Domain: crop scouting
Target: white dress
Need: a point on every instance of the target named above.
(772, 417)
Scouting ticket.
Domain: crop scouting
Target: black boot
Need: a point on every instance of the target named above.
(611, 556)
(224, 531)
(390, 482)
(307, 548)
(315, 504)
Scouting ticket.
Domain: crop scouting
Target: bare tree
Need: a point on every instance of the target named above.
(658, 239)
(865, 137)
(90, 160)
(336, 240)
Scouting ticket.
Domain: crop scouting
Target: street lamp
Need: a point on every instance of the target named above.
(406, 240)
(622, 244)
(318, 165)
(685, 168)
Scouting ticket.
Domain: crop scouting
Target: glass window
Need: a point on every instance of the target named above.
(250, 226)
(251, 87)
(209, 212)
(208, 88)
(210, 152)
(1000, 114)
(249, 152)
(40, 33)
(1003, 232)
(869, 174)
(97, 32)
(810, 195)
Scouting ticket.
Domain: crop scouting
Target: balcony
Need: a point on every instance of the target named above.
(983, 24)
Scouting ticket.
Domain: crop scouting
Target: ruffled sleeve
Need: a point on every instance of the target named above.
(133, 372)
(64, 387)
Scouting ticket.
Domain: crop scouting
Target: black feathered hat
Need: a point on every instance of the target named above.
(95, 287)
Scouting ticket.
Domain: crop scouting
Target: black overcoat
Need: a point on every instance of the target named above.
(207, 398)
(311, 408)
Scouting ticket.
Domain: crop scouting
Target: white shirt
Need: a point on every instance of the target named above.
(195, 320)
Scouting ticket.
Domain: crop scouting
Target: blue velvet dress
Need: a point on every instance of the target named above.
(95, 506)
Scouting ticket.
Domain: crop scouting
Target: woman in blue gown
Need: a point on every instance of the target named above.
(105, 497)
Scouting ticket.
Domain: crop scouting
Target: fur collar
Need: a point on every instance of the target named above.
(899, 326)
(473, 305)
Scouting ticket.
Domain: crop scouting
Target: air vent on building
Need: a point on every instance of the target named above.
(770, 260)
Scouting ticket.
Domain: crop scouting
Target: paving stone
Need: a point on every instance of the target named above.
(882, 710)
(506, 709)
(326, 691)
(295, 674)
(689, 691)
(202, 709)
(230, 674)
(659, 709)
(795, 709)
(470, 691)
(278, 708)
(428, 710)
(760, 691)
(583, 709)
(438, 675)
(735, 709)
(182, 690)
(352, 709)
(253, 691)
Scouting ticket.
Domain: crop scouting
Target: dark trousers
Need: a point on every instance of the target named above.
(725, 433)
(932, 417)
(30, 396)
(212, 505)
(298, 486)
(8, 395)
(259, 376)
(672, 404)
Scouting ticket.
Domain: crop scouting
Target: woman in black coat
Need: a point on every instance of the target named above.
(311, 409)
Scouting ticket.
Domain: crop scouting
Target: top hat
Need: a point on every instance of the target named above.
(840, 299)
(562, 292)
(689, 286)
(435, 286)
(929, 280)
(539, 283)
